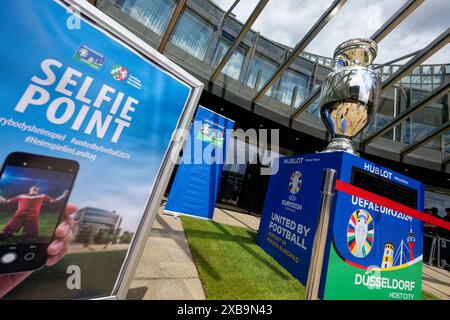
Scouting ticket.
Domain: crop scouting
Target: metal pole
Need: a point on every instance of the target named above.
(320, 238)
(240, 37)
(172, 24)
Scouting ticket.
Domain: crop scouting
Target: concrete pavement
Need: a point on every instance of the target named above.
(237, 219)
(436, 281)
(166, 270)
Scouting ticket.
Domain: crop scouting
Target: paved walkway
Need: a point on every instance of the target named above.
(167, 270)
(436, 281)
(234, 218)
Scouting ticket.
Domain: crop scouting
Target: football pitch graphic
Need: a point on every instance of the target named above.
(47, 223)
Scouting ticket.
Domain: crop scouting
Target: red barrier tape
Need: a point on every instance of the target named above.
(361, 193)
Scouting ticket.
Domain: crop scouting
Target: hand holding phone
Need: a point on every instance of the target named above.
(35, 190)
(55, 251)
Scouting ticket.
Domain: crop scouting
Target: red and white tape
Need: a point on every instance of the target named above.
(364, 194)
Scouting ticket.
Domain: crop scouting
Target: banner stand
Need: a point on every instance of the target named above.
(197, 180)
(178, 214)
(114, 138)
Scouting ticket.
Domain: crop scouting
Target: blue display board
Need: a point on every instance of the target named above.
(372, 252)
(80, 94)
(197, 180)
(289, 217)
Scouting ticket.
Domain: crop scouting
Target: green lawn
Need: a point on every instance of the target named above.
(47, 224)
(232, 266)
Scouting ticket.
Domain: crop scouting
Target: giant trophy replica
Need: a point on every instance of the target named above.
(340, 245)
(350, 94)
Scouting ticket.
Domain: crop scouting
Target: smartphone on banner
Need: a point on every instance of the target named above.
(34, 191)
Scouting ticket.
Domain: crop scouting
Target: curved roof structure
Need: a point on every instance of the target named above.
(282, 83)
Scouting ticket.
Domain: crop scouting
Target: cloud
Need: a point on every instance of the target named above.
(287, 21)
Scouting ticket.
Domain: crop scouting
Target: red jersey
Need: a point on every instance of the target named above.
(29, 205)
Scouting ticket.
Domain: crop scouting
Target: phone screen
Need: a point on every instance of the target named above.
(32, 201)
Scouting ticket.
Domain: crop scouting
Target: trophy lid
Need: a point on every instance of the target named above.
(357, 52)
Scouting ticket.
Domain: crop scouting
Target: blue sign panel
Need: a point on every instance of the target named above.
(197, 180)
(85, 121)
(372, 251)
(291, 208)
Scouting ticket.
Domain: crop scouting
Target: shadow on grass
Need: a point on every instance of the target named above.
(206, 265)
(224, 235)
(251, 240)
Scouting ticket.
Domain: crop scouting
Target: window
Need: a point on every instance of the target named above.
(437, 197)
(447, 68)
(437, 79)
(234, 65)
(292, 86)
(415, 79)
(260, 72)
(387, 69)
(154, 14)
(426, 79)
(426, 70)
(192, 34)
(437, 69)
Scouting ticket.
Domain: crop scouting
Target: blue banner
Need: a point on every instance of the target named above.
(291, 208)
(197, 180)
(74, 93)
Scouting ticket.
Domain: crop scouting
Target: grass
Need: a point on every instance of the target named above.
(232, 266)
(47, 224)
(428, 296)
(99, 271)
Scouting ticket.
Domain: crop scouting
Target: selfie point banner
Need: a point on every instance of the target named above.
(82, 95)
(197, 180)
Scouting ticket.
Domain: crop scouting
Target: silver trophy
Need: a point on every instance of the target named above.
(350, 93)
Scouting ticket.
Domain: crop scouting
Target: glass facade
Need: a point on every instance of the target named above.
(206, 36)
(238, 178)
(202, 33)
(292, 89)
(196, 41)
(438, 198)
(234, 66)
(154, 14)
(261, 70)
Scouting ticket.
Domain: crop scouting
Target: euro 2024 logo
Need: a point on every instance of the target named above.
(295, 182)
(360, 233)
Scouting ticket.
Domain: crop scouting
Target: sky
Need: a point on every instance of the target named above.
(287, 21)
